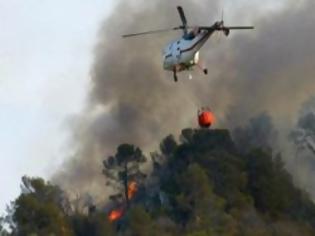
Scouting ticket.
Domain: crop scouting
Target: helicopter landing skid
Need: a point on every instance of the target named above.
(175, 75)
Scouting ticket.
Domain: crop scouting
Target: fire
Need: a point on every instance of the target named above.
(115, 215)
(132, 189)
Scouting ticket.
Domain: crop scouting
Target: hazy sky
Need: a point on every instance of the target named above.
(45, 54)
(46, 49)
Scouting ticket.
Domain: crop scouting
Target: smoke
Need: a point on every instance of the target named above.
(258, 133)
(133, 100)
(303, 140)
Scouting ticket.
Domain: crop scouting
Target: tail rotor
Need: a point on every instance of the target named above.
(220, 27)
(224, 29)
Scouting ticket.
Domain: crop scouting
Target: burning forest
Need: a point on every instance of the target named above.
(203, 184)
(132, 100)
(137, 170)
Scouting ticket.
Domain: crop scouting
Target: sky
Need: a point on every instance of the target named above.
(46, 49)
(46, 52)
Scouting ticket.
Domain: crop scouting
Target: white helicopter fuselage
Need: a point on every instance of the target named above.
(183, 53)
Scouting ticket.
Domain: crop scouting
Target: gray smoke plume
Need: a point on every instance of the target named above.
(133, 100)
(258, 133)
(303, 139)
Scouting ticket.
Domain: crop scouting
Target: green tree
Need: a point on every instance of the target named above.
(39, 210)
(95, 224)
(140, 222)
(203, 209)
(168, 145)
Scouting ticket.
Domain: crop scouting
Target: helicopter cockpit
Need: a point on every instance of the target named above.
(190, 36)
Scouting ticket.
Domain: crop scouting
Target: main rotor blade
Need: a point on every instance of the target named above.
(182, 16)
(239, 27)
(226, 28)
(151, 32)
(206, 27)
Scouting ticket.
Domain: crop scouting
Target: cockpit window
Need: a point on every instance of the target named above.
(190, 36)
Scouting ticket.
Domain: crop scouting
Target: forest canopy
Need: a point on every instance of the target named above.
(201, 184)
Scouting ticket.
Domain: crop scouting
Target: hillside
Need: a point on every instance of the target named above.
(200, 185)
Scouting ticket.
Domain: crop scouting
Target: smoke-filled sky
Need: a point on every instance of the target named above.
(49, 71)
(133, 100)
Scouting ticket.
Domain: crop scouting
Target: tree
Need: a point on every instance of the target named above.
(92, 225)
(39, 209)
(258, 133)
(140, 222)
(3, 231)
(123, 168)
(198, 207)
(168, 145)
(271, 185)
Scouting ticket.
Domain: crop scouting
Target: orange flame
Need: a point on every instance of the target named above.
(132, 189)
(115, 215)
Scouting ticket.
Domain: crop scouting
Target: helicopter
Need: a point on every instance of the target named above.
(183, 54)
